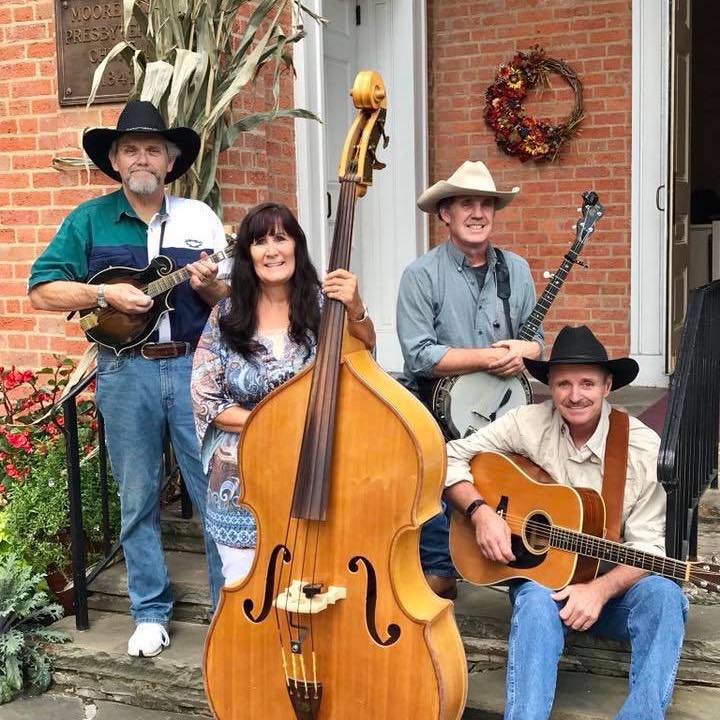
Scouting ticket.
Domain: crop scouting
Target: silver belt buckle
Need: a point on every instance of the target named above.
(142, 350)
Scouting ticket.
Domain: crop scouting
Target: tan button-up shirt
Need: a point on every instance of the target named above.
(539, 433)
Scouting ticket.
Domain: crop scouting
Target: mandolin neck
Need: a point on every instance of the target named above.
(163, 284)
(617, 553)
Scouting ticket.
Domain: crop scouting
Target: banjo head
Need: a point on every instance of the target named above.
(463, 404)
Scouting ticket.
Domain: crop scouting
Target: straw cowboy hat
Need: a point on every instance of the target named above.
(141, 116)
(578, 346)
(471, 178)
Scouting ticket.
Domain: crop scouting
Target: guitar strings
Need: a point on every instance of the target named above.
(548, 531)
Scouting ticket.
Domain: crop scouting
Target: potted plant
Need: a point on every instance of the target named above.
(33, 475)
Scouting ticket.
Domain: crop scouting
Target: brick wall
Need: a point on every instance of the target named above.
(34, 198)
(468, 39)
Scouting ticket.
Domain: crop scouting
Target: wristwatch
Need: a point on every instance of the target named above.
(363, 317)
(100, 297)
(473, 506)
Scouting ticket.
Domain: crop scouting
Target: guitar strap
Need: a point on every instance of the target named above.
(502, 282)
(615, 472)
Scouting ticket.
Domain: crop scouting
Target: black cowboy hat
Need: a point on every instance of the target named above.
(141, 116)
(578, 346)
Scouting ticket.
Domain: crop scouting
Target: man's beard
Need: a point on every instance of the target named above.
(145, 184)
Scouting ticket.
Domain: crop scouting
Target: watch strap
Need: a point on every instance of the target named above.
(473, 506)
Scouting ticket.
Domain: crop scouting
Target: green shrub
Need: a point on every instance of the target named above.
(24, 612)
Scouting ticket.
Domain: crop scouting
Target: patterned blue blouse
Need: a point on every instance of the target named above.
(223, 378)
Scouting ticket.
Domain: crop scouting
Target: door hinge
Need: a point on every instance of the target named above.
(358, 17)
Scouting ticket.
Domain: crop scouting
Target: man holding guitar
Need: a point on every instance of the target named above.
(576, 438)
(143, 390)
(459, 307)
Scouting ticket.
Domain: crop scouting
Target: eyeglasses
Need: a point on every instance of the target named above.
(278, 239)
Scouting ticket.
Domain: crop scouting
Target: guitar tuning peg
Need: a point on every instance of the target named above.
(579, 209)
(547, 275)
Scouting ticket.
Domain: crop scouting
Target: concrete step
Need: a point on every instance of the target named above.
(483, 616)
(179, 534)
(188, 578)
(585, 697)
(96, 666)
(709, 524)
(68, 707)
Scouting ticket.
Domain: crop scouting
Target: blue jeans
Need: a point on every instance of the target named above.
(435, 547)
(142, 401)
(651, 614)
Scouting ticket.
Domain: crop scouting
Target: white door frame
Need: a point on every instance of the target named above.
(648, 259)
(405, 50)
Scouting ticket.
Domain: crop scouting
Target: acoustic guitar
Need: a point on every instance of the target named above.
(557, 532)
(463, 404)
(121, 331)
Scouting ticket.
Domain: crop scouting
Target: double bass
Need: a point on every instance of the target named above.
(340, 466)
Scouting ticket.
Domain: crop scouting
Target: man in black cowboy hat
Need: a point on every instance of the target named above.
(568, 437)
(460, 307)
(143, 393)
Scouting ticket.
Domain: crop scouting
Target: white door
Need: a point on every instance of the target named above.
(340, 66)
(389, 230)
(678, 176)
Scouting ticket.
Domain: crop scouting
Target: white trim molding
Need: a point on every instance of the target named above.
(649, 170)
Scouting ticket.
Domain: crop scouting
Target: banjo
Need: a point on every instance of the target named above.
(463, 404)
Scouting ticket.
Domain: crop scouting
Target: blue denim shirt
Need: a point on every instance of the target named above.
(440, 306)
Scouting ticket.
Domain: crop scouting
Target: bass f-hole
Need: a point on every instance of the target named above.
(393, 630)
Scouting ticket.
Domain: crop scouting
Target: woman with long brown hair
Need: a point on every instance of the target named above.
(256, 339)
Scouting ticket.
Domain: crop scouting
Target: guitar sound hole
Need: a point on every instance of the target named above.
(536, 533)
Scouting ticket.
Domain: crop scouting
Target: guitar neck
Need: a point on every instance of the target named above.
(163, 284)
(614, 552)
(538, 313)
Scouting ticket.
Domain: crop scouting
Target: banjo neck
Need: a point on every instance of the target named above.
(591, 211)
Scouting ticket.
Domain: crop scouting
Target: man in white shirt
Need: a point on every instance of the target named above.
(566, 436)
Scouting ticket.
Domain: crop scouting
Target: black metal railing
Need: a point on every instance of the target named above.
(80, 577)
(688, 458)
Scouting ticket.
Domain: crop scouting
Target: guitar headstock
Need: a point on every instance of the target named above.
(705, 576)
(359, 152)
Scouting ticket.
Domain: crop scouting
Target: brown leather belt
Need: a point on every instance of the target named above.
(165, 350)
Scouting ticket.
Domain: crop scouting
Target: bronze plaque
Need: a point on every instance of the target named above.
(85, 32)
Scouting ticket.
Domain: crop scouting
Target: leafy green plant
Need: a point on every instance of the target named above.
(191, 58)
(34, 504)
(24, 613)
(37, 525)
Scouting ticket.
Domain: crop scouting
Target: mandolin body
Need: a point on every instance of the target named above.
(121, 331)
(390, 648)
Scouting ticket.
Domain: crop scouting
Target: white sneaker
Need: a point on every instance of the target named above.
(148, 640)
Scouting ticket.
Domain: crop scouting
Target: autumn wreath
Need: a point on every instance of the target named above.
(527, 137)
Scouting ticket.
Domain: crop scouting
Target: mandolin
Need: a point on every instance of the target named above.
(463, 404)
(557, 532)
(121, 331)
